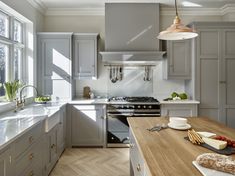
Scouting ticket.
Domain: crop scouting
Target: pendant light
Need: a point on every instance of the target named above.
(177, 31)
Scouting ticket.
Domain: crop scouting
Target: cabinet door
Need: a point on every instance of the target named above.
(85, 56)
(208, 72)
(51, 154)
(5, 163)
(55, 61)
(227, 81)
(179, 60)
(61, 132)
(87, 125)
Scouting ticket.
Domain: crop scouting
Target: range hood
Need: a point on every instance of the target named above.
(131, 33)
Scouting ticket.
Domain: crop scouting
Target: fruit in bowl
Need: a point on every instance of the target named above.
(42, 99)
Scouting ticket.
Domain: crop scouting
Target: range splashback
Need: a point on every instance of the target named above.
(131, 33)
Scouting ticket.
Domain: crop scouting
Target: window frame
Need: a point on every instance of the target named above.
(12, 44)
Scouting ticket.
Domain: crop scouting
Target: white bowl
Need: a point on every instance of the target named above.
(178, 121)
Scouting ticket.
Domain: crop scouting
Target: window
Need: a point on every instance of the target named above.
(4, 25)
(11, 49)
(3, 64)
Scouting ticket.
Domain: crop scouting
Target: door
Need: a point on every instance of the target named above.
(87, 125)
(55, 65)
(227, 81)
(208, 71)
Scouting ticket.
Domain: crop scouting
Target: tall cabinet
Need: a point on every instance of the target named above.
(54, 64)
(214, 59)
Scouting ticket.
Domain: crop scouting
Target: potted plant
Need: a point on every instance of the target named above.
(11, 89)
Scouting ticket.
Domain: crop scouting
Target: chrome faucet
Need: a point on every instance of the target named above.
(21, 101)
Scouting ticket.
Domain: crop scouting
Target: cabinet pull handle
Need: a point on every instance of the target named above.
(31, 139)
(31, 173)
(138, 168)
(31, 156)
(222, 82)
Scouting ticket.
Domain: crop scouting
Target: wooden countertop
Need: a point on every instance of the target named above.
(167, 153)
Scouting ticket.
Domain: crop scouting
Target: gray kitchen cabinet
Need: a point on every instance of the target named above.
(61, 131)
(214, 59)
(54, 61)
(85, 55)
(177, 65)
(137, 165)
(179, 110)
(51, 149)
(5, 163)
(88, 125)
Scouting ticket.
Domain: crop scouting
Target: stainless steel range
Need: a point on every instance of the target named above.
(119, 108)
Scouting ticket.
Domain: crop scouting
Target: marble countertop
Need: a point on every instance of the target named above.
(180, 102)
(15, 124)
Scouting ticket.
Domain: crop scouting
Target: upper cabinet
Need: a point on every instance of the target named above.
(85, 56)
(215, 62)
(177, 65)
(54, 64)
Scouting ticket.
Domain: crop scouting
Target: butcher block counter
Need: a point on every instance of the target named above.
(167, 153)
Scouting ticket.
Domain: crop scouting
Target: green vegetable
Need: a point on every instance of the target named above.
(11, 89)
(174, 94)
(42, 99)
(183, 96)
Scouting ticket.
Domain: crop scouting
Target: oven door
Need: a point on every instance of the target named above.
(117, 131)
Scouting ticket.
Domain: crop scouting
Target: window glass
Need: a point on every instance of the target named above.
(17, 63)
(18, 31)
(4, 25)
(3, 67)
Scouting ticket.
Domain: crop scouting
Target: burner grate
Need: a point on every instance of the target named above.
(132, 99)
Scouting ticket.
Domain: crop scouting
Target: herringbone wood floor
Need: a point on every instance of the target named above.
(93, 162)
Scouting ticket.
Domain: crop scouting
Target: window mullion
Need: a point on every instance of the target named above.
(11, 49)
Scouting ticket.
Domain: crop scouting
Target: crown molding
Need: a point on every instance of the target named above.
(38, 4)
(75, 11)
(191, 11)
(228, 8)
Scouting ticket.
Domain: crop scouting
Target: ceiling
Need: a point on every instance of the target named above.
(100, 3)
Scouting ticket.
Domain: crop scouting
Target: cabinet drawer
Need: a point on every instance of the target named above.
(29, 159)
(32, 170)
(24, 142)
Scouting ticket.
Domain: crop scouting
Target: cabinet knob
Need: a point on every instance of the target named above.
(31, 156)
(31, 139)
(53, 146)
(132, 145)
(31, 173)
(138, 168)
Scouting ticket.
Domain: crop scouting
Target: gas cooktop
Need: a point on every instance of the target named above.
(133, 99)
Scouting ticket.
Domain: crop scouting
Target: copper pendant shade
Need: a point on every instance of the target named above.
(177, 31)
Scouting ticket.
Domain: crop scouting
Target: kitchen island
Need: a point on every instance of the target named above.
(167, 153)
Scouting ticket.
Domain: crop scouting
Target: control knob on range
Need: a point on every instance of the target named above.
(139, 107)
(144, 107)
(150, 107)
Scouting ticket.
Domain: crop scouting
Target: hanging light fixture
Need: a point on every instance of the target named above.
(177, 31)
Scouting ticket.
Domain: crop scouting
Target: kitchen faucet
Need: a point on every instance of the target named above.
(21, 101)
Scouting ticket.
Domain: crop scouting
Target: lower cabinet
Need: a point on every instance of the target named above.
(61, 132)
(181, 110)
(51, 149)
(88, 125)
(5, 163)
(137, 165)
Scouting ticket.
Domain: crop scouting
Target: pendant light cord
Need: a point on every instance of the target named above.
(176, 9)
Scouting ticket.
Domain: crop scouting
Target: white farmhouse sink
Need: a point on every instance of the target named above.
(52, 121)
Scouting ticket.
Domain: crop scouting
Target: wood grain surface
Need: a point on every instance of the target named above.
(167, 153)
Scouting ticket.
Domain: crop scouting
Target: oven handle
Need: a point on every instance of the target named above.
(133, 114)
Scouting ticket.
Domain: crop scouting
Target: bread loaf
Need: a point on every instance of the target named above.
(218, 162)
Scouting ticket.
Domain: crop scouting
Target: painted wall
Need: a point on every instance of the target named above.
(161, 88)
